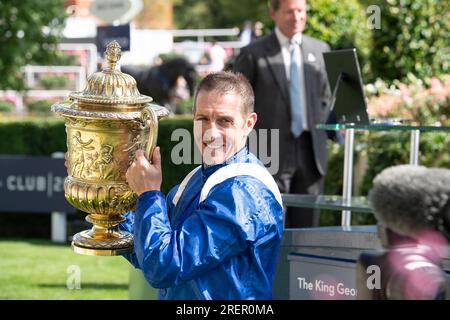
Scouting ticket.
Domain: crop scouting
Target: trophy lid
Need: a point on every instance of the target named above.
(111, 86)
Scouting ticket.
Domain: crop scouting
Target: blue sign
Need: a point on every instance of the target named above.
(109, 33)
(32, 184)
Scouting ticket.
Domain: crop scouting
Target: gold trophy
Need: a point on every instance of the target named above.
(105, 125)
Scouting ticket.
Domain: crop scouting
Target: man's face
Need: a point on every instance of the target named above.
(290, 16)
(220, 126)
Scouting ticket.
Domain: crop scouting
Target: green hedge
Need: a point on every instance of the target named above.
(388, 149)
(47, 135)
(6, 106)
(54, 82)
(33, 137)
(382, 150)
(173, 174)
(40, 107)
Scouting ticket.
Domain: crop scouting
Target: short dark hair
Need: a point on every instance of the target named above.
(226, 82)
(274, 4)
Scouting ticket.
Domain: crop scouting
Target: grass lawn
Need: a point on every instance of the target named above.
(39, 269)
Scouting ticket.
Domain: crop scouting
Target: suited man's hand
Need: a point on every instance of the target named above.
(144, 176)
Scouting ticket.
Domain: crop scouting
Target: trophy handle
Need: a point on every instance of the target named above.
(160, 111)
(150, 120)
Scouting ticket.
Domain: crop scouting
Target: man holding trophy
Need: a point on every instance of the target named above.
(217, 234)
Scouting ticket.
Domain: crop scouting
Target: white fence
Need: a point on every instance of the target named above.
(147, 44)
(30, 73)
(154, 42)
(194, 50)
(202, 33)
(87, 52)
(88, 59)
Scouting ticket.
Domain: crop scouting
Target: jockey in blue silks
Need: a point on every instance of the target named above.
(217, 234)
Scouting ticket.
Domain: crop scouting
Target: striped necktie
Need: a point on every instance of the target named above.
(294, 90)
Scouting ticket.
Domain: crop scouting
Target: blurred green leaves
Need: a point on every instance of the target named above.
(342, 24)
(30, 33)
(414, 38)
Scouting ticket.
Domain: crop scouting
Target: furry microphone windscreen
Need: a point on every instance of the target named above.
(410, 199)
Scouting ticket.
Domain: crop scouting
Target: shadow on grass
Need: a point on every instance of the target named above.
(93, 286)
(37, 242)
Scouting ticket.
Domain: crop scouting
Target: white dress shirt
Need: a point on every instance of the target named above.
(286, 52)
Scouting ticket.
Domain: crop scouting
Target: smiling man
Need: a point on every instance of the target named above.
(217, 234)
(223, 119)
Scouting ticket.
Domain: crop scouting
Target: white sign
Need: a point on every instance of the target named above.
(116, 11)
(142, 51)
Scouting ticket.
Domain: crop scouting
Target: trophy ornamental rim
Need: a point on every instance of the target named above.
(86, 97)
(65, 109)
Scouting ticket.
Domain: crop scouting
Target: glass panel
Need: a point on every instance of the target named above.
(383, 127)
(359, 204)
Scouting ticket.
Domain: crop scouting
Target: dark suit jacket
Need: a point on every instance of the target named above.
(262, 63)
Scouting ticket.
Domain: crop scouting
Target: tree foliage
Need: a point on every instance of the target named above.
(341, 23)
(218, 13)
(413, 38)
(30, 31)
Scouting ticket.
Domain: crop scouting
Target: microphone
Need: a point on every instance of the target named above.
(410, 200)
(412, 206)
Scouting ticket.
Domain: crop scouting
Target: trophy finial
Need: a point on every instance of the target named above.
(113, 53)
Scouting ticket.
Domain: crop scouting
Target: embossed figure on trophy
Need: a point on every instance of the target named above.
(103, 163)
(132, 147)
(79, 156)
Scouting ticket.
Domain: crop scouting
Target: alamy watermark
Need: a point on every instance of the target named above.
(374, 280)
(263, 143)
(374, 19)
(73, 281)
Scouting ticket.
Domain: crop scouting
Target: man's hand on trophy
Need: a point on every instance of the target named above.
(143, 175)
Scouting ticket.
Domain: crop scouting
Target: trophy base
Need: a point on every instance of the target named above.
(111, 244)
(100, 252)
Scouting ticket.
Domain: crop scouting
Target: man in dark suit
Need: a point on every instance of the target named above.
(287, 72)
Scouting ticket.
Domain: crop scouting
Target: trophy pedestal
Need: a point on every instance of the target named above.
(103, 239)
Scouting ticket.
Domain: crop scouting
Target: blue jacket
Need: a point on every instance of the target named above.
(213, 241)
